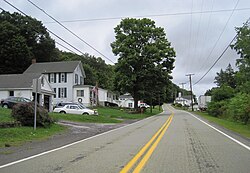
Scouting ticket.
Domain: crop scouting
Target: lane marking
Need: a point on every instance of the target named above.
(235, 140)
(71, 144)
(130, 164)
(151, 150)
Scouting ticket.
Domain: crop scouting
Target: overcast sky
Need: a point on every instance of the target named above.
(198, 38)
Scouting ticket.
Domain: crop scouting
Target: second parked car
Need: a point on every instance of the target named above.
(75, 109)
(11, 101)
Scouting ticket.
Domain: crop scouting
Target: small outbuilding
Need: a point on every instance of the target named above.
(21, 85)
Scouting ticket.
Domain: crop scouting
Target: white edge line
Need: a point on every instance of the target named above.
(68, 145)
(238, 142)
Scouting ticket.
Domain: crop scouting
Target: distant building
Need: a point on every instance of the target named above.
(183, 100)
(126, 101)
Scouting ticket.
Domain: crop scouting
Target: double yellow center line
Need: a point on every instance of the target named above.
(149, 147)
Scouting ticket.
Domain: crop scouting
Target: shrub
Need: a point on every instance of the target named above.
(24, 113)
(217, 109)
(239, 108)
(178, 105)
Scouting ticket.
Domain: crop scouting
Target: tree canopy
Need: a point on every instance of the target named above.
(145, 57)
(226, 77)
(21, 39)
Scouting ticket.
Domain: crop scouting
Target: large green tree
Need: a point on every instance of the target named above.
(242, 47)
(145, 57)
(21, 39)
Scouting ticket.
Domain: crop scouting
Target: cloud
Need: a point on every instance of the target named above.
(192, 36)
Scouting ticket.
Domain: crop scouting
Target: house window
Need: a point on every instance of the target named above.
(63, 77)
(52, 78)
(55, 92)
(80, 93)
(81, 80)
(76, 78)
(130, 105)
(62, 92)
(11, 93)
(42, 81)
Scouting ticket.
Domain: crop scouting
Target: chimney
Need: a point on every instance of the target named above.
(33, 61)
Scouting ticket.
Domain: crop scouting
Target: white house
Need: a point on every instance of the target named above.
(126, 101)
(62, 76)
(92, 95)
(21, 85)
(183, 100)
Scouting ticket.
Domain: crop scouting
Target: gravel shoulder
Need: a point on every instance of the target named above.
(75, 132)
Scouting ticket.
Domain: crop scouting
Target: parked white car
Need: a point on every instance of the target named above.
(75, 109)
(143, 105)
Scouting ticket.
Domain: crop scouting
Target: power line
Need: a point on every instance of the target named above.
(221, 54)
(46, 28)
(70, 31)
(150, 15)
(217, 41)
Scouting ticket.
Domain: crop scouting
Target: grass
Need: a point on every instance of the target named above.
(5, 115)
(122, 114)
(106, 115)
(19, 135)
(240, 128)
(84, 118)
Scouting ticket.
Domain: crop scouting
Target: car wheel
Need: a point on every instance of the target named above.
(62, 112)
(5, 106)
(85, 113)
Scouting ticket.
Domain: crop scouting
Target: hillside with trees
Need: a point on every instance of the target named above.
(23, 38)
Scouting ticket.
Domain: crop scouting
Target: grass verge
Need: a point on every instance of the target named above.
(5, 115)
(122, 114)
(240, 128)
(19, 135)
(106, 115)
(84, 118)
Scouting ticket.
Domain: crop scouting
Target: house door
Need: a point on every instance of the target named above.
(46, 102)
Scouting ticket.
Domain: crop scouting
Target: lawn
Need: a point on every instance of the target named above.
(84, 118)
(123, 114)
(19, 135)
(5, 115)
(106, 115)
(240, 128)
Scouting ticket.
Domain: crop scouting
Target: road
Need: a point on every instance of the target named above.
(173, 141)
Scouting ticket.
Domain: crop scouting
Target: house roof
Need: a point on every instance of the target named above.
(125, 97)
(53, 67)
(11, 81)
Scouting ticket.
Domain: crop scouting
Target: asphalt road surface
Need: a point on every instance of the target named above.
(174, 141)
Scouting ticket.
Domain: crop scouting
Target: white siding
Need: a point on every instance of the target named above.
(86, 98)
(17, 93)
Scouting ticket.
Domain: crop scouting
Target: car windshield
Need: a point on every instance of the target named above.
(82, 107)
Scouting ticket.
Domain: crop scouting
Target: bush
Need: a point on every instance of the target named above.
(239, 108)
(217, 109)
(24, 113)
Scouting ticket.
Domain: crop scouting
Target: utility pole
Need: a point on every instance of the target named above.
(190, 81)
